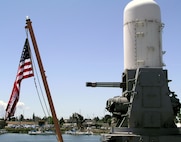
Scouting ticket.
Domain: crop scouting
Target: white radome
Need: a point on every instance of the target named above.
(142, 35)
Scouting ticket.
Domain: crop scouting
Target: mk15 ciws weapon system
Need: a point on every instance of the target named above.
(147, 108)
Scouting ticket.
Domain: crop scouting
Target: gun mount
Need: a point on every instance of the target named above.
(146, 107)
(146, 110)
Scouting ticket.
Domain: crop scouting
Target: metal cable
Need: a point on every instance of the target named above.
(37, 90)
(40, 90)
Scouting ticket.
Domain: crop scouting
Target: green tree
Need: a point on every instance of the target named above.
(78, 119)
(21, 118)
(96, 119)
(61, 121)
(2, 124)
(106, 118)
(33, 117)
(50, 120)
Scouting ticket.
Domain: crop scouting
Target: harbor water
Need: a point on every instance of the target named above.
(11, 137)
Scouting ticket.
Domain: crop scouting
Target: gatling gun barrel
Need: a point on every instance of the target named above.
(105, 84)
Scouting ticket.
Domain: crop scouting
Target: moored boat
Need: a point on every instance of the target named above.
(2, 131)
(39, 132)
(74, 132)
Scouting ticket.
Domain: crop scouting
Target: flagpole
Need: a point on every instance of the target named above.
(42, 71)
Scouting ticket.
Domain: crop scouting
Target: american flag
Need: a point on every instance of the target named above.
(25, 70)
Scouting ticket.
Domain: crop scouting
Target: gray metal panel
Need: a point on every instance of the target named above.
(151, 96)
(152, 77)
(151, 119)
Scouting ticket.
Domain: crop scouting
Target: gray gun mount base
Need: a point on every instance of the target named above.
(147, 109)
(142, 135)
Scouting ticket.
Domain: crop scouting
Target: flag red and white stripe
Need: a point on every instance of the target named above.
(25, 70)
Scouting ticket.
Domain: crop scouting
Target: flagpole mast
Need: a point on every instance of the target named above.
(42, 71)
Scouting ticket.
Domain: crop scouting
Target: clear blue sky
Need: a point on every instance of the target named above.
(79, 41)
